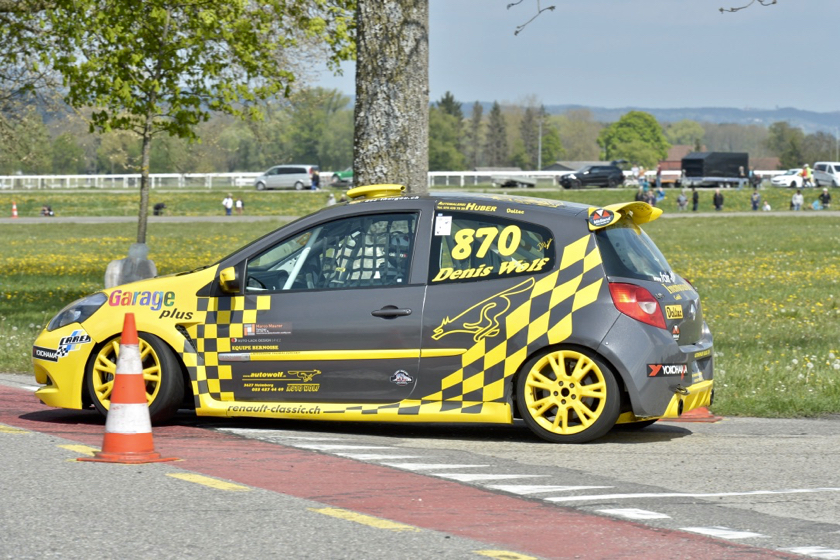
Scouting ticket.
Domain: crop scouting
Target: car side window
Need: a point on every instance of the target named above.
(469, 247)
(353, 252)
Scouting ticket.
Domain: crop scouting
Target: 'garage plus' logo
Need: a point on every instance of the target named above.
(152, 300)
(656, 370)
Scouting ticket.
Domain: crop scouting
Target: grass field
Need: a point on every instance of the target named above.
(208, 202)
(769, 286)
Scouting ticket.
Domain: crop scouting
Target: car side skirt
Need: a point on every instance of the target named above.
(402, 411)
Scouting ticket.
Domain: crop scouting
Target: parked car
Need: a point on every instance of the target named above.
(597, 175)
(441, 308)
(830, 168)
(790, 178)
(793, 178)
(297, 177)
(342, 178)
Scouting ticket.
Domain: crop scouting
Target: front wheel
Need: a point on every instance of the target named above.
(260, 186)
(161, 374)
(567, 396)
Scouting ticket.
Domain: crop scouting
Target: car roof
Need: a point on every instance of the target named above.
(459, 199)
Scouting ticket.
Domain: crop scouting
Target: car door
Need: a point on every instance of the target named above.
(326, 314)
(272, 178)
(483, 269)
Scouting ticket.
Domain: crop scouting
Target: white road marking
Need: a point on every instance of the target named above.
(723, 532)
(815, 551)
(431, 466)
(376, 457)
(462, 477)
(258, 432)
(336, 447)
(687, 495)
(525, 489)
(632, 513)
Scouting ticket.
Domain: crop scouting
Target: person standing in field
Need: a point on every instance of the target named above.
(717, 200)
(239, 205)
(695, 199)
(755, 199)
(227, 202)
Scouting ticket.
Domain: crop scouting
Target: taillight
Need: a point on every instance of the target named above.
(638, 303)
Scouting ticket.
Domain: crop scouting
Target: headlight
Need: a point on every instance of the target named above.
(571, 176)
(78, 311)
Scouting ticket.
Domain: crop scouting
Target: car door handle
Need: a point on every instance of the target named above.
(390, 311)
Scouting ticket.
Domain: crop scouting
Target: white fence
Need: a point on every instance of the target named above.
(158, 180)
(246, 179)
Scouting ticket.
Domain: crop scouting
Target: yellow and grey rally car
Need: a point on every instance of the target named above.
(442, 308)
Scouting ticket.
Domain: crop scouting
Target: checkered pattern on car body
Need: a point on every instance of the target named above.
(544, 318)
(225, 318)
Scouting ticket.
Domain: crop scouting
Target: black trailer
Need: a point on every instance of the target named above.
(715, 169)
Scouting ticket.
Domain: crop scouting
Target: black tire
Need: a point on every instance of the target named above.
(298, 186)
(634, 426)
(611, 183)
(260, 186)
(554, 388)
(164, 382)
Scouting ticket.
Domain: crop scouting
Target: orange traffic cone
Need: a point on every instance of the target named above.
(128, 426)
(701, 414)
(14, 210)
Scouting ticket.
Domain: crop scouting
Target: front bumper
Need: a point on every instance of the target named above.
(59, 359)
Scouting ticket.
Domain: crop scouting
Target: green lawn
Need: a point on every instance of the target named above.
(768, 283)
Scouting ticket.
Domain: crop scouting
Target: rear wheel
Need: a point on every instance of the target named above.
(298, 186)
(161, 374)
(567, 396)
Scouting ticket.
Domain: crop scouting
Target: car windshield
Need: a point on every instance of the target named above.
(628, 252)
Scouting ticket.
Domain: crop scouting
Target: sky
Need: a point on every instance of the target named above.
(633, 53)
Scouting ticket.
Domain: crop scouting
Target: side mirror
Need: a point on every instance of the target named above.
(229, 281)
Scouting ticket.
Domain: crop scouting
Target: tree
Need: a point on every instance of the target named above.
(578, 132)
(819, 146)
(444, 137)
(529, 131)
(685, 132)
(450, 106)
(68, 157)
(495, 143)
(474, 136)
(391, 143)
(786, 143)
(163, 66)
(30, 148)
(636, 137)
(552, 147)
(311, 113)
(751, 2)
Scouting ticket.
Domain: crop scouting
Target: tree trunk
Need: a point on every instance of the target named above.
(146, 154)
(391, 138)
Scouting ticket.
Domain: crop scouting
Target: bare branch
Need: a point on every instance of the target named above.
(539, 11)
(738, 9)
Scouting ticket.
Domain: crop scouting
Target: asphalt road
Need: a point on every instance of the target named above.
(740, 487)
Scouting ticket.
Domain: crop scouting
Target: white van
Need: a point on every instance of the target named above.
(298, 177)
(830, 167)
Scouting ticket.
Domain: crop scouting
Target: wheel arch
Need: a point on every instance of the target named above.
(577, 347)
(188, 400)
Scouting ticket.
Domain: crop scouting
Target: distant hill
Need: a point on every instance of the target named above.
(809, 121)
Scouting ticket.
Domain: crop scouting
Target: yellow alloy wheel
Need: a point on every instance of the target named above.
(161, 374)
(568, 396)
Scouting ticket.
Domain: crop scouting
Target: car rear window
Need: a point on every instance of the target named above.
(628, 252)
